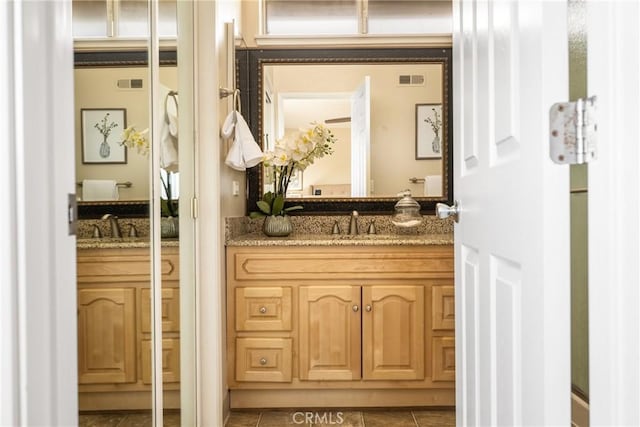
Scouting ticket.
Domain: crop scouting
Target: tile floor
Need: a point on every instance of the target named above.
(126, 419)
(292, 417)
(343, 418)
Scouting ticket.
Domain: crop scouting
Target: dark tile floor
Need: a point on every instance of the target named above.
(282, 418)
(343, 418)
(125, 419)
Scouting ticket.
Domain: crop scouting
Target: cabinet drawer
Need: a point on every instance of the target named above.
(359, 263)
(117, 265)
(444, 359)
(170, 310)
(443, 307)
(263, 309)
(170, 360)
(263, 359)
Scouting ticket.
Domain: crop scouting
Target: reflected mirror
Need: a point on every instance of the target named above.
(117, 81)
(388, 108)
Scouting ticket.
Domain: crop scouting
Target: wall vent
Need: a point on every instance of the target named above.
(129, 84)
(411, 80)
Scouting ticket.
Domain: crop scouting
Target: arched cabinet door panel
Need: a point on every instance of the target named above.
(106, 336)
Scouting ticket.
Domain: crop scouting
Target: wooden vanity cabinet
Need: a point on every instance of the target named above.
(348, 325)
(114, 328)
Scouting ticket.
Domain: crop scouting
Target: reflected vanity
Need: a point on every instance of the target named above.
(389, 108)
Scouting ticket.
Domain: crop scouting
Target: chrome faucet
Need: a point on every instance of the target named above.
(115, 227)
(353, 223)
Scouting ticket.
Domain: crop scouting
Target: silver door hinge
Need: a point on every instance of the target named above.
(573, 131)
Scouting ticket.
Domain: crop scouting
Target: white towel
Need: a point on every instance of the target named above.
(433, 185)
(169, 130)
(99, 189)
(245, 151)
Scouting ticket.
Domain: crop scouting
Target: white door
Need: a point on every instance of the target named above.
(613, 40)
(512, 241)
(360, 139)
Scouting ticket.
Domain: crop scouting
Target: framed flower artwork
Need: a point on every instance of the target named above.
(101, 129)
(429, 131)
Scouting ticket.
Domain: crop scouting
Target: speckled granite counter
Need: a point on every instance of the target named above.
(259, 239)
(122, 243)
(316, 230)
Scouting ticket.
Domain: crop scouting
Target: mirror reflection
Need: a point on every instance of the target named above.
(117, 89)
(387, 117)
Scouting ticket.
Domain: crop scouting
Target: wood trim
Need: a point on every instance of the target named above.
(329, 398)
(125, 400)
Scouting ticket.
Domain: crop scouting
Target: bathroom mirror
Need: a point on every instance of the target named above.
(407, 118)
(118, 79)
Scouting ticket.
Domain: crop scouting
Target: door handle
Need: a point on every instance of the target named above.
(443, 211)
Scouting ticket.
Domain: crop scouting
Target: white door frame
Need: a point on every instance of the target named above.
(614, 222)
(38, 361)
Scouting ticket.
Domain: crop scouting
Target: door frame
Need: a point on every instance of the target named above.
(613, 226)
(38, 363)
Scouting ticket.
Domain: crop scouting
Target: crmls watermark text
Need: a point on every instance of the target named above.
(317, 418)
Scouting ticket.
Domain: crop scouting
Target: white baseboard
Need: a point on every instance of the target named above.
(579, 411)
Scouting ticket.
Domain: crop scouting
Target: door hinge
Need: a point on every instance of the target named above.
(573, 131)
(72, 214)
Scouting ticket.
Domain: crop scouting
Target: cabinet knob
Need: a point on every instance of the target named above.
(263, 361)
(368, 307)
(263, 310)
(355, 308)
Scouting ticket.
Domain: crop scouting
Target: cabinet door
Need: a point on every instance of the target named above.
(393, 332)
(329, 332)
(106, 336)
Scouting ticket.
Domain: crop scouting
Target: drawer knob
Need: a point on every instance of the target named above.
(263, 309)
(368, 307)
(263, 361)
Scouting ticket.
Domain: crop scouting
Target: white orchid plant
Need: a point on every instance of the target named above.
(133, 138)
(288, 156)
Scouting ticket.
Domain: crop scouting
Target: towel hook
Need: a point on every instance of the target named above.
(224, 92)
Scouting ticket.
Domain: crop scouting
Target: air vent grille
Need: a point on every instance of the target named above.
(129, 84)
(411, 80)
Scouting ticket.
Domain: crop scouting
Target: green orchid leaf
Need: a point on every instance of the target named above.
(264, 207)
(268, 198)
(278, 204)
(254, 215)
(293, 208)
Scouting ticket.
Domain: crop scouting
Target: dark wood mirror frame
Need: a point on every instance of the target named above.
(249, 75)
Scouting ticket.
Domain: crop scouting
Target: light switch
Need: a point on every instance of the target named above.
(235, 188)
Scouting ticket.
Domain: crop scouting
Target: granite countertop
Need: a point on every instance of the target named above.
(259, 239)
(121, 243)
